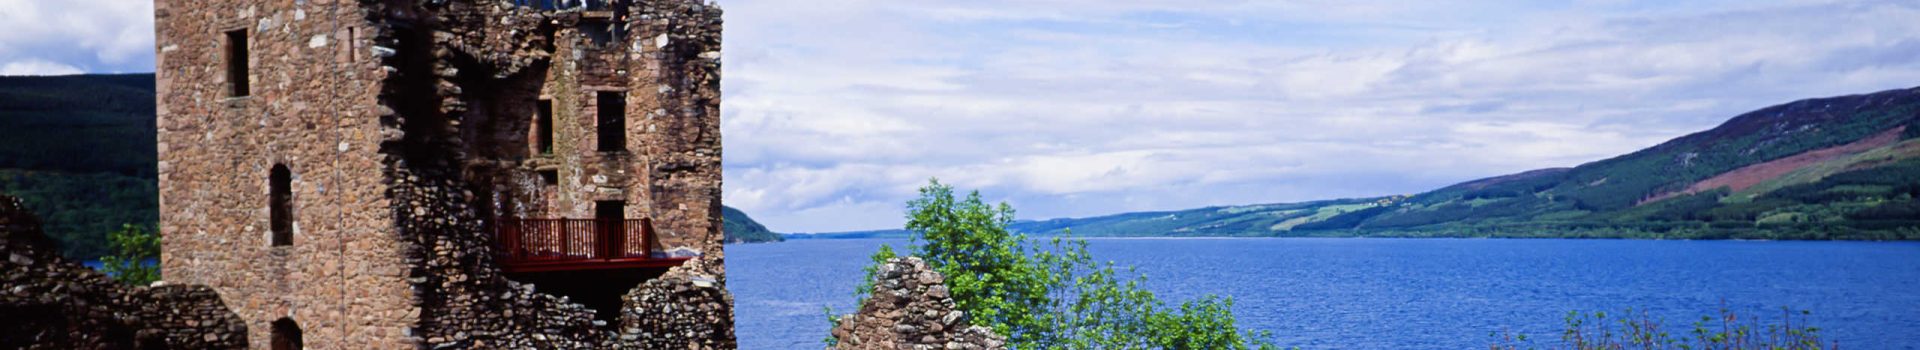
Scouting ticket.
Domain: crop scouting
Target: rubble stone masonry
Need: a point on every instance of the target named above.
(407, 127)
(910, 309)
(47, 302)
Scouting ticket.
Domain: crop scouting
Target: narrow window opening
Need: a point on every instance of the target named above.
(353, 44)
(543, 127)
(280, 206)
(237, 63)
(613, 121)
(286, 335)
(599, 31)
(550, 177)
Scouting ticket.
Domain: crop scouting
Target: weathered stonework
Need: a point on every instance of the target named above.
(408, 127)
(910, 309)
(697, 311)
(47, 302)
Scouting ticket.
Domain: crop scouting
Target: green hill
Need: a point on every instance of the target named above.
(739, 228)
(79, 150)
(1832, 168)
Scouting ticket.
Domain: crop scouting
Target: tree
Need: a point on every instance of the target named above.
(1051, 296)
(133, 246)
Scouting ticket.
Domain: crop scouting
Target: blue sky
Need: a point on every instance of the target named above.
(836, 110)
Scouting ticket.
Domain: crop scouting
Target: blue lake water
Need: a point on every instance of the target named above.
(1415, 293)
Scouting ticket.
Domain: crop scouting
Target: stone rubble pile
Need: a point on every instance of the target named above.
(47, 302)
(911, 309)
(676, 311)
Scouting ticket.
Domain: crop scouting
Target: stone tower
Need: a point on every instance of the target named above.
(416, 173)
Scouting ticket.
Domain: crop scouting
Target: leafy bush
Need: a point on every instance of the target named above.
(1051, 296)
(132, 246)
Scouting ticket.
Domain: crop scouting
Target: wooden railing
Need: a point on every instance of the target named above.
(549, 241)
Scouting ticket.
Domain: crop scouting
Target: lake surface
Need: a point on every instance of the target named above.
(1346, 293)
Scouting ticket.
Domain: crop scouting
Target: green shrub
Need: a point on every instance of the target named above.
(132, 246)
(1051, 296)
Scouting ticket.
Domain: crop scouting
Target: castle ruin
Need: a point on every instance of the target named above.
(446, 173)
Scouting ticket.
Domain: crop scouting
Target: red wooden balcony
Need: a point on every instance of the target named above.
(541, 245)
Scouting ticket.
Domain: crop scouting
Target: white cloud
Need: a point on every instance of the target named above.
(836, 111)
(37, 67)
(100, 35)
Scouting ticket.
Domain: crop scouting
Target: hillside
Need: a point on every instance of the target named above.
(738, 228)
(1832, 168)
(79, 150)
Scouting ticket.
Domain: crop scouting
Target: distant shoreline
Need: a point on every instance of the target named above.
(791, 238)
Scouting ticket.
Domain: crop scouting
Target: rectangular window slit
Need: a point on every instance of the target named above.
(613, 120)
(237, 63)
(353, 44)
(543, 127)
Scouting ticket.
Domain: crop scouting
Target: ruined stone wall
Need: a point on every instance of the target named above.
(678, 123)
(666, 66)
(312, 107)
(398, 120)
(497, 62)
(51, 303)
(910, 308)
(677, 311)
(456, 62)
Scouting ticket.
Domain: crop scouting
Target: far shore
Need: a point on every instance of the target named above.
(793, 238)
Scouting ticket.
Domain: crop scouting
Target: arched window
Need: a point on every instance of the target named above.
(286, 335)
(280, 204)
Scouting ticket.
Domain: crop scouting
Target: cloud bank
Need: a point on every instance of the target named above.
(73, 36)
(836, 110)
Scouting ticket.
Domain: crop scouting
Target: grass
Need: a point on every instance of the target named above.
(1638, 330)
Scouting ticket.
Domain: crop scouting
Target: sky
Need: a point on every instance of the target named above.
(836, 111)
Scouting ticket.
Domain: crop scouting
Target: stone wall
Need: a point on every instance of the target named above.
(404, 125)
(910, 308)
(51, 303)
(454, 59)
(676, 311)
(311, 107)
(494, 65)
